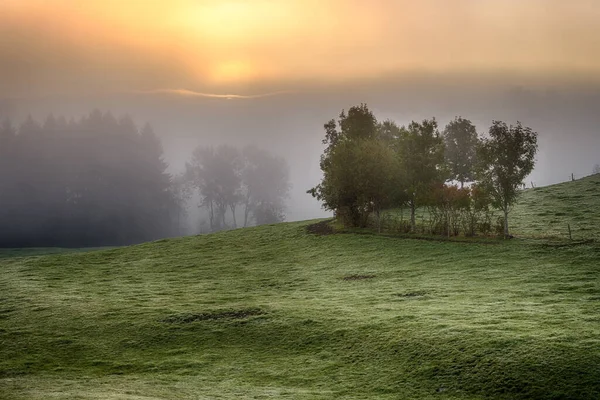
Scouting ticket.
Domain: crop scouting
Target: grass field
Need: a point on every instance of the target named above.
(277, 312)
(546, 212)
(41, 251)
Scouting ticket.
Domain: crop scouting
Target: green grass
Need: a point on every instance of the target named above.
(547, 211)
(543, 213)
(40, 251)
(266, 313)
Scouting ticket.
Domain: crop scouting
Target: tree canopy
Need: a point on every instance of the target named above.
(461, 141)
(370, 166)
(506, 158)
(94, 181)
(226, 178)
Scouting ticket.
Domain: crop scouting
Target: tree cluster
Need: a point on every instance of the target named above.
(102, 181)
(94, 181)
(250, 184)
(370, 166)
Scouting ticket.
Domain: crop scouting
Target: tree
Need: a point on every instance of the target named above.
(378, 177)
(420, 149)
(360, 180)
(181, 192)
(460, 140)
(216, 173)
(341, 189)
(90, 182)
(506, 158)
(265, 186)
(227, 178)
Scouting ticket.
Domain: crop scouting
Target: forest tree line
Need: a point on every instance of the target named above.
(102, 181)
(373, 171)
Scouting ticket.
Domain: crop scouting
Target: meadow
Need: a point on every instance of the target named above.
(280, 312)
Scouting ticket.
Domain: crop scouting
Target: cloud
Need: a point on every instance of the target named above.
(191, 93)
(234, 46)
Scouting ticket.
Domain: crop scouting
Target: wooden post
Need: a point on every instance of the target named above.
(570, 236)
(572, 177)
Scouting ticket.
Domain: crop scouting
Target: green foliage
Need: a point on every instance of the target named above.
(359, 123)
(266, 313)
(505, 159)
(360, 170)
(360, 176)
(369, 165)
(360, 179)
(447, 206)
(461, 141)
(448, 211)
(420, 149)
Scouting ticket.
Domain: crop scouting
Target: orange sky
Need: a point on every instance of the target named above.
(222, 46)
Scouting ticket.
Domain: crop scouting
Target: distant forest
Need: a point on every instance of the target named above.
(102, 181)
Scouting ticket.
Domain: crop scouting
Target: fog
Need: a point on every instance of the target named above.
(291, 124)
(210, 73)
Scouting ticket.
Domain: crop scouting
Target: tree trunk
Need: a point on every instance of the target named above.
(246, 210)
(413, 223)
(233, 213)
(506, 235)
(378, 221)
(212, 217)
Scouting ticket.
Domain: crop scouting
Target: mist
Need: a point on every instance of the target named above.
(291, 124)
(271, 77)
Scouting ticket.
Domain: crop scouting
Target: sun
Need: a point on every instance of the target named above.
(229, 32)
(231, 71)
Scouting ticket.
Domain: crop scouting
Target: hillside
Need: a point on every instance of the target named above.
(546, 211)
(278, 312)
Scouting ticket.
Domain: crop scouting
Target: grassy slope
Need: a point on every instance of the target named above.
(40, 251)
(439, 320)
(546, 211)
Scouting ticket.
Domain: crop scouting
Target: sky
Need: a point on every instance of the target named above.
(273, 72)
(71, 46)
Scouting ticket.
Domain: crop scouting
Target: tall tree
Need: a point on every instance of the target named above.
(88, 182)
(460, 140)
(420, 150)
(506, 158)
(337, 190)
(216, 173)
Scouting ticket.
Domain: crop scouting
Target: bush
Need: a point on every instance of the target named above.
(450, 211)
